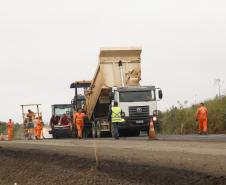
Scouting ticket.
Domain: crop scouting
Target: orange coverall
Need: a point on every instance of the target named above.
(10, 126)
(201, 117)
(79, 121)
(38, 129)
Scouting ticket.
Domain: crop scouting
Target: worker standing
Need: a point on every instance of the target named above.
(116, 118)
(202, 118)
(35, 127)
(79, 121)
(38, 128)
(10, 126)
(30, 124)
(30, 116)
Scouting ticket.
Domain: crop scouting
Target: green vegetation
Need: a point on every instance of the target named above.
(2, 127)
(176, 120)
(181, 120)
(16, 132)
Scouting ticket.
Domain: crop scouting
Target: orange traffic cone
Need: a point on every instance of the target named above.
(1, 137)
(152, 134)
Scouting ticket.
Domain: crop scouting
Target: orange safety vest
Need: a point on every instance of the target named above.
(10, 125)
(202, 113)
(79, 118)
(39, 125)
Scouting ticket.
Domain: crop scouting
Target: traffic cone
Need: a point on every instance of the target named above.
(152, 135)
(1, 137)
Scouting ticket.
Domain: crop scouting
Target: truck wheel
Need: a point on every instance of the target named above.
(98, 129)
(54, 136)
(94, 131)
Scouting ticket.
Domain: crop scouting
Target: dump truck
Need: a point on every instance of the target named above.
(117, 78)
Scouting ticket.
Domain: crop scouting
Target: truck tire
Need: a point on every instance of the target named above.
(94, 130)
(55, 135)
(98, 129)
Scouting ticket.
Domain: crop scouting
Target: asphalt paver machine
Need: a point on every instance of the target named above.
(28, 124)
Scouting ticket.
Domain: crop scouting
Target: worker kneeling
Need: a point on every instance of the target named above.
(115, 114)
(38, 128)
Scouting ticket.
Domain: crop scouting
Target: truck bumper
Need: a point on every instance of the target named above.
(135, 124)
(61, 130)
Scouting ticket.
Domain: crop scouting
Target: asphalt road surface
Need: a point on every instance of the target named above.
(189, 159)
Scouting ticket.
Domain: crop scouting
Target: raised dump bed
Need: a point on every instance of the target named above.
(118, 67)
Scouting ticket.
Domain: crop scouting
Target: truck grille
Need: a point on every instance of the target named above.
(139, 112)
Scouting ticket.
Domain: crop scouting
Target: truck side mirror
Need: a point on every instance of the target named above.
(160, 94)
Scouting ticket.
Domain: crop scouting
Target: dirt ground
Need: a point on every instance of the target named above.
(112, 162)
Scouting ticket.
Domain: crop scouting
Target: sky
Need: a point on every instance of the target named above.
(47, 44)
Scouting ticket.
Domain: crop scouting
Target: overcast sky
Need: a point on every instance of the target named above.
(47, 44)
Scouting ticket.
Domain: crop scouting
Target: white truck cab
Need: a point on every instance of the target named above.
(139, 105)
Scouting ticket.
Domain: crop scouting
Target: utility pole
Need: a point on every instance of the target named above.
(218, 83)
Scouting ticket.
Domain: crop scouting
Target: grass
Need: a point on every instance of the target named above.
(2, 127)
(180, 120)
(16, 131)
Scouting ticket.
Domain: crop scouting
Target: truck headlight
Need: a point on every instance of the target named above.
(155, 118)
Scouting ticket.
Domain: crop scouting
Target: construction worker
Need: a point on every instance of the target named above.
(38, 128)
(64, 120)
(202, 118)
(35, 127)
(30, 124)
(1, 133)
(10, 126)
(116, 118)
(30, 116)
(79, 121)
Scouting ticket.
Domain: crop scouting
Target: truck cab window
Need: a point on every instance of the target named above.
(137, 96)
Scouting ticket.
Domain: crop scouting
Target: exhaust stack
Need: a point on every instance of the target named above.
(121, 73)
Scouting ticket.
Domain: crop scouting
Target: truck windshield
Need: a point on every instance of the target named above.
(61, 111)
(137, 96)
